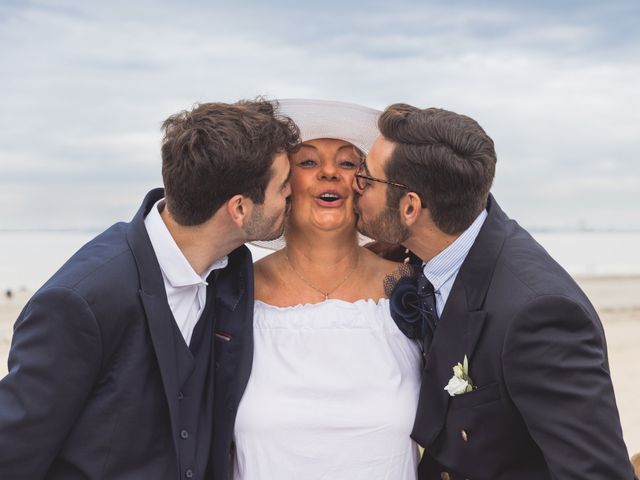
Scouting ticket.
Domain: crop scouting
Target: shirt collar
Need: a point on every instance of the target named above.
(174, 265)
(447, 263)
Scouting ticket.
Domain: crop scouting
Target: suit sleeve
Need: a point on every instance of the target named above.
(54, 360)
(556, 372)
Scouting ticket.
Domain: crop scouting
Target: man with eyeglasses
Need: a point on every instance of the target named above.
(516, 383)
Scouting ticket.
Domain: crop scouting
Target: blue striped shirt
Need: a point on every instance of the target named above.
(443, 269)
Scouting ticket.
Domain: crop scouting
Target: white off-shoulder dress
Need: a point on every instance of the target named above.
(332, 395)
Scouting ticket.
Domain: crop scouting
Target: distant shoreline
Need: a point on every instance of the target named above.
(28, 257)
(532, 230)
(95, 231)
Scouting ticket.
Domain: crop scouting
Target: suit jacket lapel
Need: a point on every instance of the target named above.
(234, 355)
(459, 328)
(234, 315)
(154, 299)
(455, 337)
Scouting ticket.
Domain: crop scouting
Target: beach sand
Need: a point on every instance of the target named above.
(617, 300)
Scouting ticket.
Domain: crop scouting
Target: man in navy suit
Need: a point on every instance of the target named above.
(530, 397)
(114, 361)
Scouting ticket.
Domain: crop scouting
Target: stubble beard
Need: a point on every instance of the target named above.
(262, 228)
(386, 227)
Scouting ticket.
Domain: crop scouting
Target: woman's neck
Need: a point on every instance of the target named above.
(320, 251)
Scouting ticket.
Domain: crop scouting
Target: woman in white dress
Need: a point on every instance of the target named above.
(334, 384)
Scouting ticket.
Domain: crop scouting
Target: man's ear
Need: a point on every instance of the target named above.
(239, 209)
(410, 208)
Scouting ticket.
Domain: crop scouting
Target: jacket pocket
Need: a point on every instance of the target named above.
(224, 336)
(485, 394)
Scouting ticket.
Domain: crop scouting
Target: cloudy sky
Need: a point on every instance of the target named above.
(85, 85)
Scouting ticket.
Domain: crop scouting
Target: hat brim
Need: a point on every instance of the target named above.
(352, 123)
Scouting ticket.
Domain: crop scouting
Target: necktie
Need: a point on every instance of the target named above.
(427, 298)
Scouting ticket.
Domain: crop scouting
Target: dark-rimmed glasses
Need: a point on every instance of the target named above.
(363, 180)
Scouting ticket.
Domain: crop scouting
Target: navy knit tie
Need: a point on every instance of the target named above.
(428, 310)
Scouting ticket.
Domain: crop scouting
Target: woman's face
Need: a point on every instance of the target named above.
(321, 175)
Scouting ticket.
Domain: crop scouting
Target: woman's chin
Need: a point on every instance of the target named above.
(322, 219)
(333, 220)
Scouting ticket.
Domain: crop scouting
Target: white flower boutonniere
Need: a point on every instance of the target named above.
(460, 382)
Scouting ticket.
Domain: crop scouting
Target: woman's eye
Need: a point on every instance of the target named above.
(348, 164)
(307, 163)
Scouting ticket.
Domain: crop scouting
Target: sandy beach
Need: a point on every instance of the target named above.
(616, 299)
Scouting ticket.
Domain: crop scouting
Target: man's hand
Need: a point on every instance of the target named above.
(389, 251)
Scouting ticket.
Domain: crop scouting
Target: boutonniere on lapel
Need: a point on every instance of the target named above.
(461, 381)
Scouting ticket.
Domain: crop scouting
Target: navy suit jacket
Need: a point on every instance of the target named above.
(544, 406)
(92, 390)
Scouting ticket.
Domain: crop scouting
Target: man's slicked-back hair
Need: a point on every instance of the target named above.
(446, 158)
(218, 150)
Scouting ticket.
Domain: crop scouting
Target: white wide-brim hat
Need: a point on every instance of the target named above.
(352, 123)
(316, 119)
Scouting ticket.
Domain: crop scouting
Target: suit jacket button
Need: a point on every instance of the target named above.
(184, 434)
(445, 476)
(464, 435)
(180, 395)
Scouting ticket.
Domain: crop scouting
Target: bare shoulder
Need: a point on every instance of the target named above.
(377, 266)
(385, 274)
(379, 273)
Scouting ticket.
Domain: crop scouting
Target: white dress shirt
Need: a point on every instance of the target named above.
(186, 290)
(443, 269)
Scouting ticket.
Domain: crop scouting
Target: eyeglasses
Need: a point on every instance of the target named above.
(363, 180)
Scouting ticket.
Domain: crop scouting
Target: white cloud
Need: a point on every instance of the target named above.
(86, 87)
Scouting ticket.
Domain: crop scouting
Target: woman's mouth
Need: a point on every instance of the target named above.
(330, 199)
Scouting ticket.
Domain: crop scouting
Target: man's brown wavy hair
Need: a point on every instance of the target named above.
(218, 150)
(444, 157)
